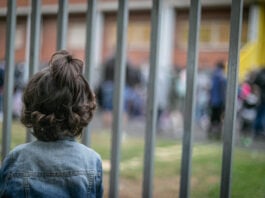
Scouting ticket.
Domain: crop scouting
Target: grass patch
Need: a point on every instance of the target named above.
(247, 174)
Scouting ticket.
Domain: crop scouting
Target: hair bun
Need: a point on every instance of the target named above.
(69, 58)
(64, 68)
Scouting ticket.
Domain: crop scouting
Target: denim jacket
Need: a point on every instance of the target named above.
(60, 169)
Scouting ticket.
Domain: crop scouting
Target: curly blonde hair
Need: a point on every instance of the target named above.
(58, 101)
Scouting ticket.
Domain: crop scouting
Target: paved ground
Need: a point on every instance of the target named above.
(172, 127)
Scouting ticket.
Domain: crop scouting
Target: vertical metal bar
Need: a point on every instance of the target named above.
(231, 96)
(62, 23)
(34, 44)
(9, 77)
(118, 96)
(26, 69)
(150, 130)
(90, 37)
(192, 62)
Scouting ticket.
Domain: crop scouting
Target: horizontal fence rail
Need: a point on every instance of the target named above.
(119, 84)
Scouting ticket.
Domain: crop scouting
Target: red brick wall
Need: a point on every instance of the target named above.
(19, 52)
(3, 3)
(2, 37)
(207, 56)
(206, 59)
(22, 3)
(48, 37)
(138, 56)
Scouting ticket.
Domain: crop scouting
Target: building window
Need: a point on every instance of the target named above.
(20, 37)
(213, 34)
(138, 36)
(77, 36)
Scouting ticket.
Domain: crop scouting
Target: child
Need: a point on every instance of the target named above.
(58, 104)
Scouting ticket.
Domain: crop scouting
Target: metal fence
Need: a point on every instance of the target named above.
(150, 131)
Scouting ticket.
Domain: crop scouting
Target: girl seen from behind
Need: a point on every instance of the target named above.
(58, 104)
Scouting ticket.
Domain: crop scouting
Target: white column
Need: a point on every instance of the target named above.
(166, 53)
(253, 23)
(96, 77)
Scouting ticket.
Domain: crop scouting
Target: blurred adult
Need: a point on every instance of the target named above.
(202, 102)
(105, 92)
(19, 85)
(2, 76)
(133, 103)
(217, 98)
(259, 125)
(181, 90)
(134, 82)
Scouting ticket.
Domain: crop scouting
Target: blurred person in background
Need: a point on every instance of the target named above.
(202, 102)
(19, 84)
(217, 99)
(247, 106)
(181, 90)
(2, 77)
(259, 125)
(133, 102)
(105, 91)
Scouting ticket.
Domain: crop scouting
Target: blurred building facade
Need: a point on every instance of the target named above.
(214, 31)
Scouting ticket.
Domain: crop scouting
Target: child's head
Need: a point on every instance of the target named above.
(58, 101)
